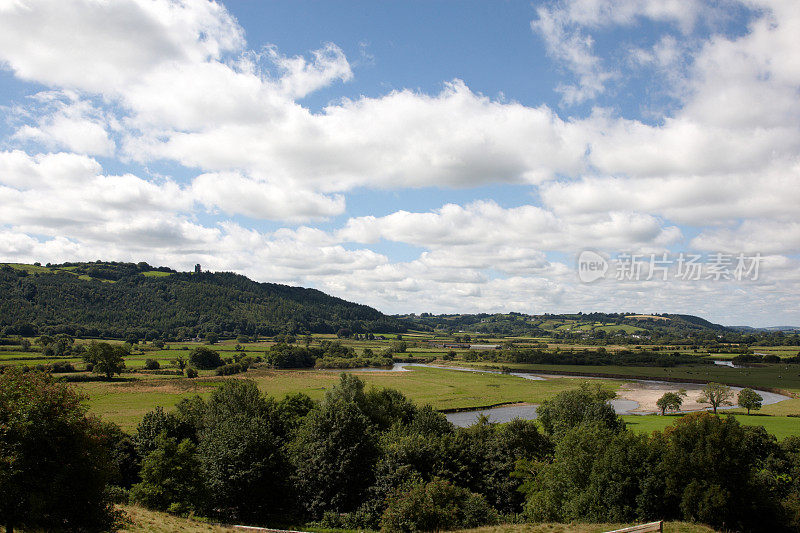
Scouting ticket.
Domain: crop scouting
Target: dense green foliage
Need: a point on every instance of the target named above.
(171, 477)
(55, 462)
(369, 459)
(702, 468)
(436, 506)
(329, 354)
(336, 450)
(749, 399)
(569, 410)
(205, 358)
(119, 300)
(340, 461)
(105, 358)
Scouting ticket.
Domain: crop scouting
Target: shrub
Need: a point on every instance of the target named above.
(399, 346)
(205, 358)
(230, 369)
(61, 367)
(436, 506)
(151, 364)
(191, 372)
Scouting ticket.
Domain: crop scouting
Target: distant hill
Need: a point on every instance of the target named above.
(111, 299)
(788, 329)
(599, 328)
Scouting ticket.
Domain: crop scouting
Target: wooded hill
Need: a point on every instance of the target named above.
(601, 328)
(109, 299)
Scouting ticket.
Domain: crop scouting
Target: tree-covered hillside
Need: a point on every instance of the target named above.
(121, 299)
(601, 328)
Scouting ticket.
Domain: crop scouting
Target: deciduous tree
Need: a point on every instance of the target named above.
(107, 359)
(716, 395)
(574, 407)
(749, 399)
(671, 400)
(54, 460)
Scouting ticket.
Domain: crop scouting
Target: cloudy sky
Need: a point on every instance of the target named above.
(415, 156)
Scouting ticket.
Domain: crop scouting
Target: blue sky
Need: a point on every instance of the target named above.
(414, 156)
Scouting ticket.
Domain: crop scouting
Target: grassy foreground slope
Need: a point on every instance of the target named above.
(142, 520)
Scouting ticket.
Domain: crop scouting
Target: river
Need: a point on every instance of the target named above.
(622, 406)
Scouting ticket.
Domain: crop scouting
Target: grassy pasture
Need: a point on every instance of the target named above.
(125, 402)
(156, 274)
(780, 426)
(781, 376)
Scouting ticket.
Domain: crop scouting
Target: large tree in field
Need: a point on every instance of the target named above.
(55, 462)
(205, 358)
(749, 399)
(105, 358)
(671, 401)
(716, 395)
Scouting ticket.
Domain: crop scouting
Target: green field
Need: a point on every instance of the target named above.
(780, 426)
(782, 376)
(125, 402)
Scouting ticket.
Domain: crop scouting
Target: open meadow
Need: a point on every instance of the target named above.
(125, 402)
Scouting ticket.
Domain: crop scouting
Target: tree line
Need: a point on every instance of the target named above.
(599, 357)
